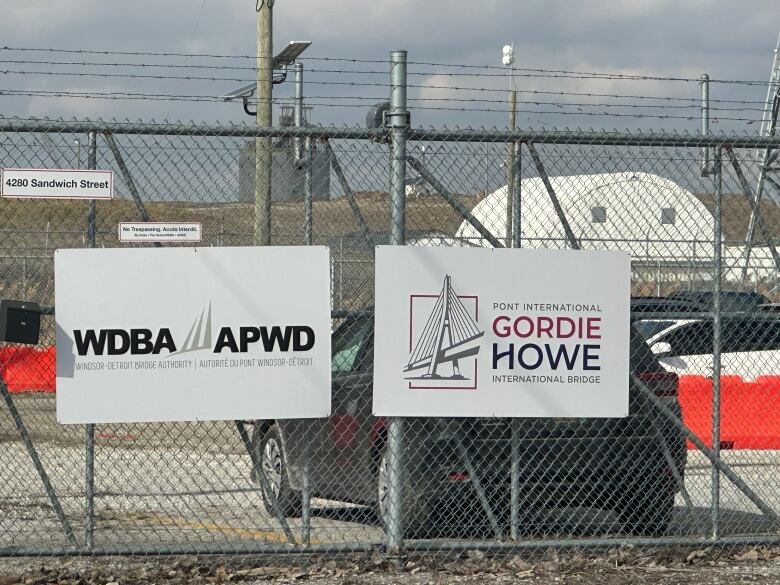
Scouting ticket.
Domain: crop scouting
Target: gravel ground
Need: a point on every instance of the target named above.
(187, 484)
(619, 566)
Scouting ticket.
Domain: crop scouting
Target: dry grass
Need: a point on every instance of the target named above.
(736, 216)
(331, 218)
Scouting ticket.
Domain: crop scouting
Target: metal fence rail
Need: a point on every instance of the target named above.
(697, 462)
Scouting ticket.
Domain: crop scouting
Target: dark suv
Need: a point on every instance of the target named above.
(633, 465)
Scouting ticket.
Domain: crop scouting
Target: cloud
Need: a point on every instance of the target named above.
(657, 37)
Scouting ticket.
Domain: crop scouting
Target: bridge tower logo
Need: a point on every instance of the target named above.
(450, 335)
(199, 336)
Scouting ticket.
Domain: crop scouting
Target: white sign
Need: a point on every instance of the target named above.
(157, 231)
(501, 332)
(56, 184)
(188, 334)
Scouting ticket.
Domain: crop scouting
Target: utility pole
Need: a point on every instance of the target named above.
(264, 145)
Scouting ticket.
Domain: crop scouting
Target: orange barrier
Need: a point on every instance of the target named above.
(750, 411)
(26, 369)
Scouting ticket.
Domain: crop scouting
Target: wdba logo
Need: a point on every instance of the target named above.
(443, 334)
(199, 336)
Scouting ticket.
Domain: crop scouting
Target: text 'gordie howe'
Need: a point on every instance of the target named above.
(483, 332)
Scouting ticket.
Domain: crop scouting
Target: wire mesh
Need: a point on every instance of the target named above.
(467, 483)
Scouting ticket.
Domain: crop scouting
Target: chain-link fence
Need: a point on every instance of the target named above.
(697, 460)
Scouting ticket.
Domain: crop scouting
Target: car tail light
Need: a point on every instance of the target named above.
(663, 384)
(458, 476)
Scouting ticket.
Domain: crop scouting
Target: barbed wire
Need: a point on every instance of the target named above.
(516, 71)
(215, 99)
(242, 80)
(693, 102)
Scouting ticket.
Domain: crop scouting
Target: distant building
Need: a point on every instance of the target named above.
(661, 225)
(287, 177)
(640, 213)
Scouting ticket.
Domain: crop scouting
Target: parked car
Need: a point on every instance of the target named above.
(623, 465)
(652, 305)
(731, 301)
(750, 345)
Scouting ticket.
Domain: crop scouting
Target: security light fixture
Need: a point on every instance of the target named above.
(281, 63)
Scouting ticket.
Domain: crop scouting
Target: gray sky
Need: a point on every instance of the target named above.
(727, 39)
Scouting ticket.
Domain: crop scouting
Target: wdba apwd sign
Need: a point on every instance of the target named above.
(186, 334)
(501, 332)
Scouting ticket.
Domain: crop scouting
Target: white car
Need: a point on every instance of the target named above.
(750, 345)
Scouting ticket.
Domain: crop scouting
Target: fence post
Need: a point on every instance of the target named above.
(89, 468)
(716, 308)
(514, 466)
(398, 122)
(303, 159)
(511, 170)
(91, 204)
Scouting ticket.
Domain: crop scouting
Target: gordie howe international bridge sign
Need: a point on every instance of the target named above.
(501, 332)
(179, 334)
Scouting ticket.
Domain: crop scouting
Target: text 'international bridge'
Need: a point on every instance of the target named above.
(447, 337)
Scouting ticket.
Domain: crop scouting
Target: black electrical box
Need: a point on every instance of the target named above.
(20, 322)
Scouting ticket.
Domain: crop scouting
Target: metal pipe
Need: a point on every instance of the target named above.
(589, 543)
(255, 548)
(479, 489)
(353, 205)
(36, 460)
(89, 483)
(303, 157)
(716, 340)
(89, 430)
(298, 69)
(514, 441)
(553, 197)
(706, 451)
(263, 144)
(510, 169)
(705, 122)
(92, 204)
(398, 122)
(514, 480)
(517, 226)
(765, 160)
(260, 549)
(755, 210)
(266, 491)
(678, 478)
(306, 497)
(308, 195)
(461, 209)
(143, 214)
(431, 135)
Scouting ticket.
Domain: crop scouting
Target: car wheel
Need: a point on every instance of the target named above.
(416, 505)
(272, 464)
(648, 511)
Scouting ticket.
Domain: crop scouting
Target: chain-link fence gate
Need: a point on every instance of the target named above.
(697, 460)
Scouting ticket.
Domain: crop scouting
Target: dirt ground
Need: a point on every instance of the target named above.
(617, 566)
